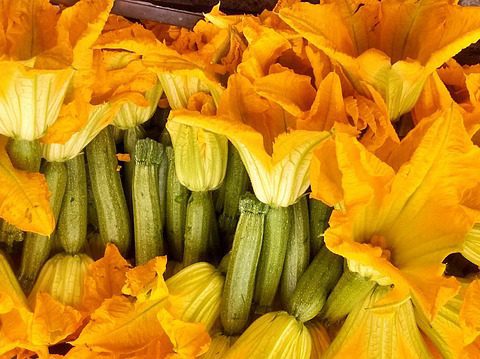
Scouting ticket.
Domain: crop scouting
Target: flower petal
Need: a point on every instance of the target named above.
(24, 198)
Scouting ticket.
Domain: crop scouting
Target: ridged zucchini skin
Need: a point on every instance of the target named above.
(113, 217)
(242, 266)
(315, 285)
(234, 186)
(147, 218)
(319, 216)
(199, 227)
(72, 222)
(278, 223)
(36, 248)
(298, 250)
(176, 209)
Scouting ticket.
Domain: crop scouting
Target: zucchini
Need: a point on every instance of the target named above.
(351, 289)
(298, 250)
(234, 186)
(131, 136)
(72, 222)
(176, 209)
(199, 227)
(278, 223)
(319, 216)
(242, 265)
(36, 248)
(314, 285)
(147, 219)
(110, 202)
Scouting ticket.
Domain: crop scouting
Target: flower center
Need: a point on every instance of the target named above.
(379, 241)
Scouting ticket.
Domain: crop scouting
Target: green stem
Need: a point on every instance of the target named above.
(146, 201)
(36, 248)
(175, 209)
(298, 250)
(198, 228)
(350, 290)
(319, 216)
(235, 185)
(278, 223)
(110, 202)
(72, 223)
(242, 266)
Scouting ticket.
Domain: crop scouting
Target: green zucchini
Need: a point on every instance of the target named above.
(298, 250)
(110, 202)
(278, 223)
(351, 289)
(242, 266)
(147, 219)
(176, 209)
(314, 285)
(131, 136)
(198, 227)
(72, 222)
(36, 248)
(319, 216)
(234, 186)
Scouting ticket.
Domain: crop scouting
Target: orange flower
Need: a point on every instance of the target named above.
(390, 217)
(24, 197)
(389, 44)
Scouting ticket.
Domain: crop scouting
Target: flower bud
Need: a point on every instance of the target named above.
(62, 276)
(273, 335)
(198, 288)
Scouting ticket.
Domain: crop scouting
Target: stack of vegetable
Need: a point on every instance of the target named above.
(311, 174)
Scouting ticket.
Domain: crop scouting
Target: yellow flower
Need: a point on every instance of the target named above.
(142, 321)
(387, 44)
(372, 331)
(43, 52)
(62, 276)
(320, 338)
(219, 347)
(24, 197)
(200, 155)
(198, 288)
(454, 329)
(390, 218)
(273, 335)
(125, 73)
(276, 156)
(23, 331)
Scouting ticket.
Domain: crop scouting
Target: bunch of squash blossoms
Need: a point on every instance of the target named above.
(303, 183)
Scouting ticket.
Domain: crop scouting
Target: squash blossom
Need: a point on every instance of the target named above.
(109, 96)
(454, 329)
(273, 335)
(43, 52)
(372, 331)
(142, 320)
(24, 331)
(391, 46)
(218, 347)
(198, 288)
(62, 276)
(389, 221)
(124, 72)
(24, 197)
